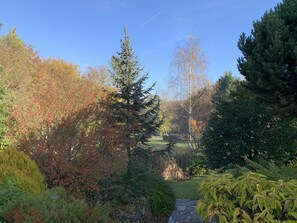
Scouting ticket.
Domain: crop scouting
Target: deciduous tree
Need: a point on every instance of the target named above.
(80, 150)
(187, 78)
(56, 91)
(99, 75)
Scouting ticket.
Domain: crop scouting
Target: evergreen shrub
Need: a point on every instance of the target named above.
(152, 186)
(21, 169)
(270, 169)
(158, 193)
(8, 192)
(54, 205)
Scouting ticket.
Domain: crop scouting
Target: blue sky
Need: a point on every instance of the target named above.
(87, 32)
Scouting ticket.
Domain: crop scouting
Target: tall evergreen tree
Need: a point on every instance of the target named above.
(241, 127)
(223, 87)
(137, 109)
(269, 60)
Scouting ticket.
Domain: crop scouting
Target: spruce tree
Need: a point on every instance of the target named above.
(136, 108)
(223, 87)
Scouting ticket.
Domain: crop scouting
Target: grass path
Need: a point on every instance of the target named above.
(186, 189)
(182, 189)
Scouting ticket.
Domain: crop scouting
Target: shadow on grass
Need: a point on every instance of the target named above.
(186, 189)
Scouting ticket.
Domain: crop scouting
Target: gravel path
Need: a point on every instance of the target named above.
(185, 212)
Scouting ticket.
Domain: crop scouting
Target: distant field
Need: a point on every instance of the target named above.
(158, 143)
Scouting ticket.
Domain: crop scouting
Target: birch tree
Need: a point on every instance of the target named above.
(187, 77)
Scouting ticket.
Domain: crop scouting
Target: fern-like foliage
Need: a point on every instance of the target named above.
(249, 198)
(273, 171)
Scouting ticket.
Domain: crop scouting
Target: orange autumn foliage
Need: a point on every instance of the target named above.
(56, 91)
(81, 150)
(61, 119)
(197, 127)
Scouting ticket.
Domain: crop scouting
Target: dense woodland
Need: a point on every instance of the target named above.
(76, 146)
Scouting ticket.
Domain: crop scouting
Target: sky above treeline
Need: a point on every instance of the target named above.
(87, 32)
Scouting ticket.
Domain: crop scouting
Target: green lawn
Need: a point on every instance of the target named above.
(158, 143)
(182, 189)
(186, 189)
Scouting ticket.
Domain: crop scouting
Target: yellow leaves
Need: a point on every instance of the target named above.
(193, 123)
(259, 188)
(56, 91)
(213, 192)
(223, 219)
(98, 75)
(260, 215)
(293, 214)
(236, 214)
(61, 69)
(246, 217)
(202, 209)
(250, 198)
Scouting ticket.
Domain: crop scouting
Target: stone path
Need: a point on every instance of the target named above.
(185, 212)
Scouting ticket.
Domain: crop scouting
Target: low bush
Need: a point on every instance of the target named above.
(192, 163)
(21, 169)
(158, 193)
(249, 198)
(272, 171)
(150, 185)
(78, 176)
(9, 191)
(53, 205)
(79, 151)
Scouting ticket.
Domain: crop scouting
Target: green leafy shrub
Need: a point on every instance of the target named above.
(54, 205)
(192, 163)
(197, 166)
(250, 198)
(152, 186)
(21, 169)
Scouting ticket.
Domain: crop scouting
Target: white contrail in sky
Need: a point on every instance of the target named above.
(151, 18)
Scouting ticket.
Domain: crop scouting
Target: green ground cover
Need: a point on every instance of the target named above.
(186, 189)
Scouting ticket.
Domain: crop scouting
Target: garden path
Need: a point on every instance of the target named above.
(185, 212)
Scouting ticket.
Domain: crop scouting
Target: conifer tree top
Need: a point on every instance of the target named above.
(269, 57)
(126, 68)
